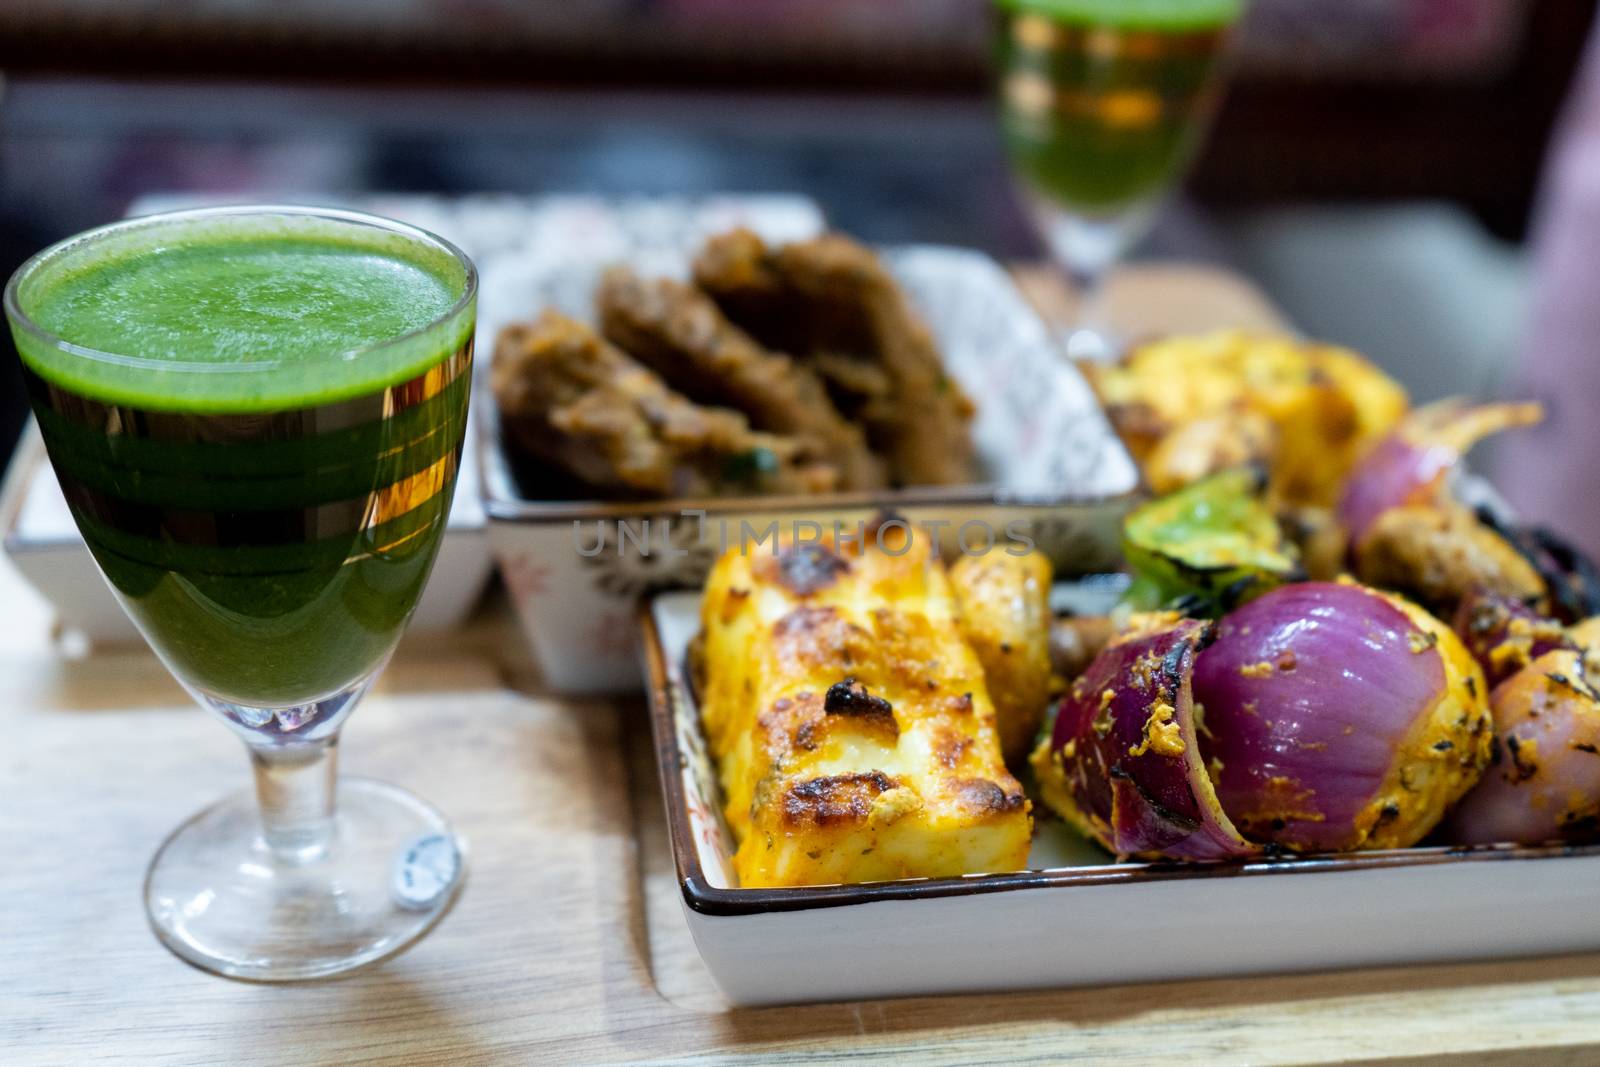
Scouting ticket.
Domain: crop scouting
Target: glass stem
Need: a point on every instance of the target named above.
(1089, 287)
(295, 791)
(1088, 337)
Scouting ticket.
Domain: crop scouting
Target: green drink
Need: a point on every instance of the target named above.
(269, 532)
(1102, 104)
(1103, 100)
(256, 416)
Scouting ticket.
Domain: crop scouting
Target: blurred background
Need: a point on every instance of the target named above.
(1376, 167)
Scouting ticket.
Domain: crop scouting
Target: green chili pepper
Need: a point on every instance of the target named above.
(1208, 547)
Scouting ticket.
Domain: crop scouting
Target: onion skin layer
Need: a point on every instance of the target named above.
(1397, 473)
(1410, 466)
(1123, 761)
(1340, 718)
(1545, 781)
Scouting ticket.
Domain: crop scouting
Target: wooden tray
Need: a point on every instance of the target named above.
(568, 945)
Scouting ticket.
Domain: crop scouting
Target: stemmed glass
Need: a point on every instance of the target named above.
(256, 415)
(1102, 105)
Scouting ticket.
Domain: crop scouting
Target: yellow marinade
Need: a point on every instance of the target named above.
(854, 736)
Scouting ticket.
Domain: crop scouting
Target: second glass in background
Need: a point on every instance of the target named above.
(1103, 104)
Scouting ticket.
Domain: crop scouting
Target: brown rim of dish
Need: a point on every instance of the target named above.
(700, 895)
(501, 507)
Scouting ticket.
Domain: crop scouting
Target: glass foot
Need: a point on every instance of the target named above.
(218, 896)
(1089, 344)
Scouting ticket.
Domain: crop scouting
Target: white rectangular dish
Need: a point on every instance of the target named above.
(1076, 918)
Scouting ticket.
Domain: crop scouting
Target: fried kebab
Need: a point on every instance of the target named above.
(830, 303)
(681, 334)
(570, 398)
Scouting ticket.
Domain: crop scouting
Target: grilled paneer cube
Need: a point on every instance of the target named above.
(1005, 617)
(853, 731)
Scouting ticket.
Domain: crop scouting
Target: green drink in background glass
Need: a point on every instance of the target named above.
(256, 415)
(1102, 105)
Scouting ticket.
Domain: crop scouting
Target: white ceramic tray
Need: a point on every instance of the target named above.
(1075, 917)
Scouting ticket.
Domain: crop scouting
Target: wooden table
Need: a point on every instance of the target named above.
(568, 945)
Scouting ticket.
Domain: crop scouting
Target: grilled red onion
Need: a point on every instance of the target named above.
(1123, 761)
(1505, 635)
(1394, 474)
(1545, 781)
(1411, 466)
(1338, 718)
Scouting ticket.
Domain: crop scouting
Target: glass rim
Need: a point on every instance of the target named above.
(19, 317)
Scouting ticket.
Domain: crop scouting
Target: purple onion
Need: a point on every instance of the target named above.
(1505, 635)
(1394, 474)
(1544, 784)
(1338, 718)
(1410, 466)
(1124, 740)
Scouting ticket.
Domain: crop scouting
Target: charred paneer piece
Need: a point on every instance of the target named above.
(680, 333)
(830, 302)
(852, 727)
(1005, 617)
(1189, 406)
(570, 398)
